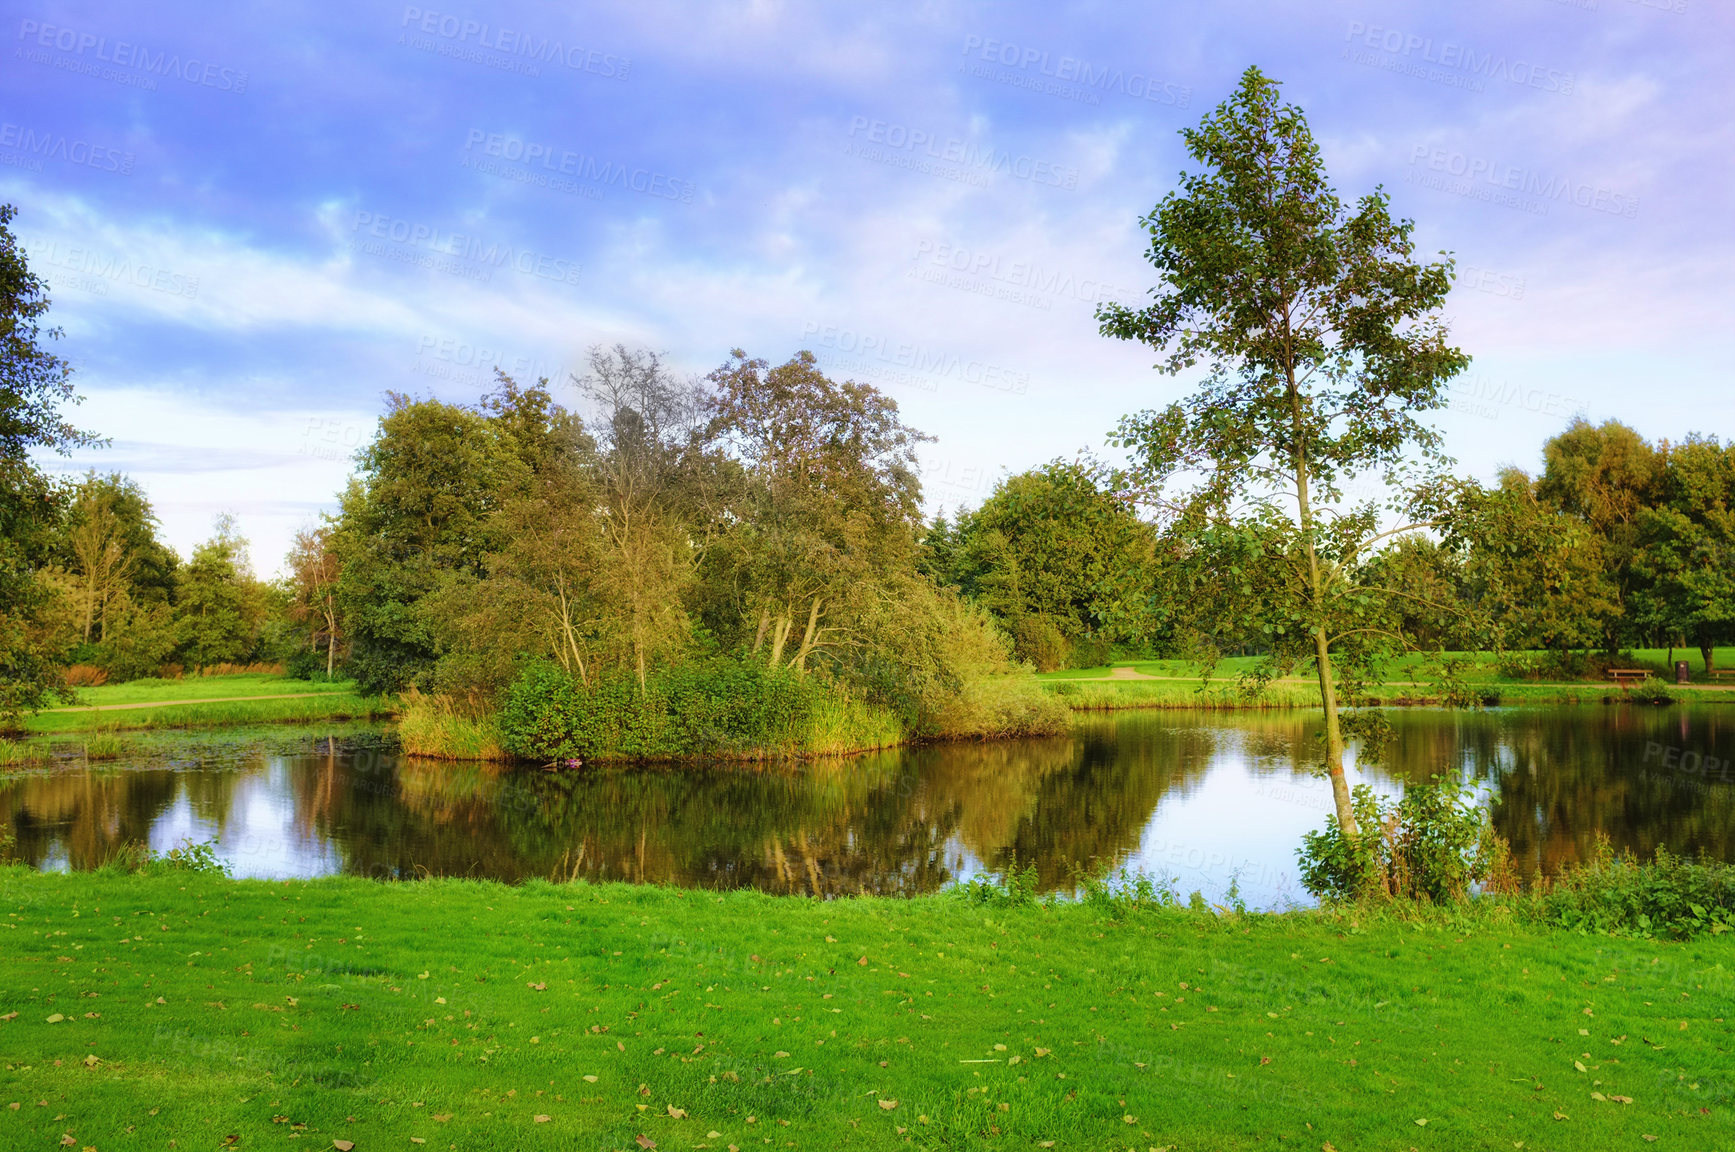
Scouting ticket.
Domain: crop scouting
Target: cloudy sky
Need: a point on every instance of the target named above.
(256, 219)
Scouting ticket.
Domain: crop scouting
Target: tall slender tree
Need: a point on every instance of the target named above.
(1321, 338)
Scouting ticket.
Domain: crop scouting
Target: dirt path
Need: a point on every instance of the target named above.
(205, 700)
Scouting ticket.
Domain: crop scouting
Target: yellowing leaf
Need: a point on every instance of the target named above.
(590, 1079)
(343, 1145)
(1578, 1065)
(1561, 1116)
(677, 1113)
(55, 1018)
(1599, 1096)
(645, 1141)
(541, 1118)
(888, 1105)
(1043, 1051)
(1421, 1123)
(1621, 1099)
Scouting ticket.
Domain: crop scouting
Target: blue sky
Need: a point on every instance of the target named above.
(257, 219)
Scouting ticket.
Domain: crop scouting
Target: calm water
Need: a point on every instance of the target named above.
(1207, 798)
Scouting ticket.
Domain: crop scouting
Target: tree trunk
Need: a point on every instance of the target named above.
(1340, 793)
(1708, 653)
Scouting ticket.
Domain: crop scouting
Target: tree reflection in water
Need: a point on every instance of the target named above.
(898, 822)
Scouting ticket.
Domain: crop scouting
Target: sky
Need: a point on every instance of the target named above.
(256, 220)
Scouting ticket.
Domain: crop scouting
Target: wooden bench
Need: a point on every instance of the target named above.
(1723, 674)
(1626, 675)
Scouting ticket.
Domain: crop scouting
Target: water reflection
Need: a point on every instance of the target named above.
(1208, 798)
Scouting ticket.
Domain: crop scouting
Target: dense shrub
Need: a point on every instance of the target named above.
(718, 707)
(1617, 894)
(1432, 845)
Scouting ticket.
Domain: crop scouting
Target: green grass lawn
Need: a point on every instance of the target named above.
(152, 690)
(1407, 680)
(140, 1011)
(284, 700)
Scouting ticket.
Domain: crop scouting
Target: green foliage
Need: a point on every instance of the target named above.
(1013, 888)
(1057, 560)
(137, 857)
(1616, 894)
(34, 384)
(220, 607)
(1122, 893)
(1432, 846)
(721, 707)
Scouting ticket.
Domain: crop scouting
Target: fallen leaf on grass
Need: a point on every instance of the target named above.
(1621, 1099)
(1421, 1123)
(441, 1117)
(538, 986)
(1599, 1096)
(55, 1018)
(1578, 1065)
(645, 1141)
(417, 1140)
(1043, 1051)
(888, 1105)
(343, 1145)
(67, 1141)
(677, 1113)
(590, 1079)
(1562, 1116)
(541, 1118)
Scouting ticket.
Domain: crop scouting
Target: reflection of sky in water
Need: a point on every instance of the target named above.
(257, 835)
(1201, 801)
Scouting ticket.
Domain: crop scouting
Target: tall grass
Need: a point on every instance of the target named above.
(837, 726)
(999, 708)
(448, 728)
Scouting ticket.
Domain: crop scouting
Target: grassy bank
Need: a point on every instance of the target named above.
(139, 1010)
(327, 705)
(1088, 695)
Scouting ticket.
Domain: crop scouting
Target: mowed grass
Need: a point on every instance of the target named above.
(1481, 668)
(151, 690)
(476, 1016)
(293, 709)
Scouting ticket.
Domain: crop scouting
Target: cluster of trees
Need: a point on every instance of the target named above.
(765, 515)
(1616, 543)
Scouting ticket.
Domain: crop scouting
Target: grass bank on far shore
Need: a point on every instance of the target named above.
(327, 705)
(135, 1010)
(1082, 694)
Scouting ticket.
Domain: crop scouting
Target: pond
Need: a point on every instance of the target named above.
(1207, 798)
